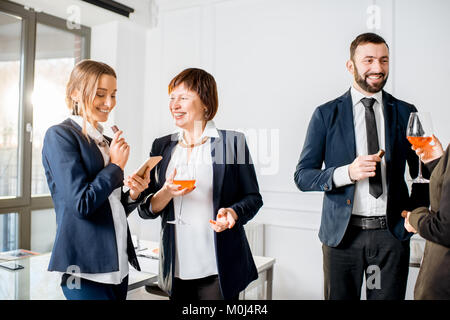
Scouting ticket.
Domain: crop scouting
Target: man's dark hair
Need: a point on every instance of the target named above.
(365, 38)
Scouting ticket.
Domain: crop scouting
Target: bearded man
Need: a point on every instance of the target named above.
(364, 193)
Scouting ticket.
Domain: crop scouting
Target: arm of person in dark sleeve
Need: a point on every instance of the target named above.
(61, 155)
(435, 226)
(130, 205)
(144, 205)
(309, 175)
(432, 164)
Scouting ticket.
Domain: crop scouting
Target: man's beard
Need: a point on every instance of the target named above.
(362, 81)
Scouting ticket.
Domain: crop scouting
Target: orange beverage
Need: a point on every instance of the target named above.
(185, 184)
(420, 142)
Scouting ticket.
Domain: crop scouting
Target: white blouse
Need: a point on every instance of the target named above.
(195, 255)
(118, 214)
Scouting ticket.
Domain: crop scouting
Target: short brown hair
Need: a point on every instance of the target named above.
(203, 84)
(368, 37)
(84, 78)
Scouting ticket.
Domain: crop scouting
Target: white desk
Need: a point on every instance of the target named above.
(265, 274)
(264, 266)
(34, 282)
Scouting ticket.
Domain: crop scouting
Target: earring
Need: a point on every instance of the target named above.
(75, 109)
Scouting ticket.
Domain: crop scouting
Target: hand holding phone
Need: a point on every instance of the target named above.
(139, 181)
(149, 163)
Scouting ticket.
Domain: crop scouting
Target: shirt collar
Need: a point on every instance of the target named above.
(357, 96)
(210, 131)
(96, 134)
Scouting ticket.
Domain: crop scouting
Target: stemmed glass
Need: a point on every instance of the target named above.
(185, 178)
(419, 133)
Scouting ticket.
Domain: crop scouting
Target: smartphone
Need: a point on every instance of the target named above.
(149, 163)
(11, 265)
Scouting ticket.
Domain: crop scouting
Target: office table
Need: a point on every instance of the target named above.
(34, 282)
(264, 265)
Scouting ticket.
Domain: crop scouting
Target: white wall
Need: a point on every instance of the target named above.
(274, 62)
(422, 66)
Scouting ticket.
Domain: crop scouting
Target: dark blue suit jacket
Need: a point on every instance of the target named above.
(235, 186)
(330, 139)
(80, 185)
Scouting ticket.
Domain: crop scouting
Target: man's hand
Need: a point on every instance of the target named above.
(363, 167)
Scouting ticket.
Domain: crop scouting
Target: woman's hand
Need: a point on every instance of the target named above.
(168, 191)
(137, 184)
(409, 227)
(119, 150)
(226, 219)
(430, 153)
(172, 190)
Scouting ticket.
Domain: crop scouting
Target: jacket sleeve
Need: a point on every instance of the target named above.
(435, 226)
(128, 204)
(144, 209)
(248, 189)
(61, 156)
(309, 175)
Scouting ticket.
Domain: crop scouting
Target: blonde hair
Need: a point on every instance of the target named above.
(84, 78)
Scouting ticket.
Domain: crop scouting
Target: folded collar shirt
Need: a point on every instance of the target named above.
(364, 204)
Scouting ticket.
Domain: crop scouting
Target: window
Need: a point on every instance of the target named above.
(52, 68)
(8, 231)
(37, 53)
(10, 35)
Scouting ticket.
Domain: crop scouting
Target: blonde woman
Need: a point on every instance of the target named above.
(84, 171)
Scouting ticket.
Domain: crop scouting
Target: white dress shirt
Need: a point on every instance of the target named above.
(118, 214)
(195, 254)
(364, 204)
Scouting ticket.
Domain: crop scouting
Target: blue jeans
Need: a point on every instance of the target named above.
(91, 290)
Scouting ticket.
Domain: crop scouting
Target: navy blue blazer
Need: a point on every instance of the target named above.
(330, 139)
(235, 186)
(80, 185)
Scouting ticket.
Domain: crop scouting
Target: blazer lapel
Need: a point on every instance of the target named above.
(167, 155)
(346, 124)
(96, 153)
(218, 156)
(390, 124)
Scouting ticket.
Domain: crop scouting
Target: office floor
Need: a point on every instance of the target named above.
(142, 294)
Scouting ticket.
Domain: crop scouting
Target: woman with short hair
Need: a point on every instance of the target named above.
(204, 252)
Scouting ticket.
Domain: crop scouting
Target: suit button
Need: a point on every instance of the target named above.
(325, 187)
(348, 201)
